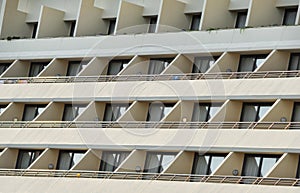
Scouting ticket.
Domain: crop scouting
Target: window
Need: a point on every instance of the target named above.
(296, 113)
(158, 162)
(195, 24)
(241, 19)
(4, 67)
(36, 68)
(258, 165)
(72, 28)
(157, 111)
(75, 67)
(248, 63)
(289, 17)
(67, 159)
(114, 111)
(202, 64)
(152, 24)
(111, 27)
(72, 111)
(204, 111)
(253, 112)
(207, 164)
(26, 158)
(112, 160)
(34, 29)
(32, 111)
(294, 62)
(298, 169)
(115, 66)
(156, 66)
(2, 108)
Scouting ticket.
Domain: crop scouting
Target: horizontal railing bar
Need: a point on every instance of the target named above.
(150, 77)
(252, 180)
(146, 124)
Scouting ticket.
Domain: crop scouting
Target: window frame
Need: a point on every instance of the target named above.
(162, 112)
(256, 57)
(77, 110)
(111, 26)
(194, 17)
(160, 169)
(290, 61)
(37, 106)
(125, 61)
(262, 157)
(112, 105)
(270, 104)
(238, 16)
(39, 64)
(72, 157)
(287, 11)
(32, 156)
(211, 155)
(115, 166)
(209, 105)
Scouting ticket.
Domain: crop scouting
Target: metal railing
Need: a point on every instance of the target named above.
(153, 176)
(152, 77)
(144, 124)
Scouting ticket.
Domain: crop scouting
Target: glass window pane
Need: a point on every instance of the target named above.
(155, 112)
(267, 164)
(4, 67)
(64, 162)
(246, 64)
(251, 166)
(195, 25)
(200, 164)
(294, 62)
(152, 164)
(114, 67)
(202, 64)
(72, 111)
(249, 113)
(112, 25)
(167, 110)
(2, 108)
(262, 111)
(166, 161)
(36, 68)
(152, 24)
(290, 16)
(213, 110)
(296, 113)
(259, 61)
(241, 19)
(76, 158)
(24, 159)
(215, 163)
(108, 161)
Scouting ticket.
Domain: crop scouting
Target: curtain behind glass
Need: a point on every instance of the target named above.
(108, 161)
(251, 166)
(195, 25)
(200, 113)
(36, 68)
(200, 165)
(74, 68)
(249, 113)
(296, 113)
(156, 67)
(68, 113)
(23, 160)
(241, 19)
(155, 112)
(65, 159)
(294, 62)
(114, 67)
(152, 163)
(246, 64)
(202, 64)
(3, 67)
(30, 113)
(290, 17)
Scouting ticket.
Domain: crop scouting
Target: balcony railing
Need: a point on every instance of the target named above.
(153, 176)
(144, 124)
(152, 77)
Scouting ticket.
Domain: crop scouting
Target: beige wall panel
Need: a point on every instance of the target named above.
(226, 61)
(130, 19)
(14, 110)
(76, 185)
(8, 158)
(136, 112)
(53, 112)
(182, 164)
(180, 65)
(96, 67)
(57, 67)
(51, 23)
(264, 13)
(282, 108)
(90, 161)
(19, 68)
(136, 158)
(49, 156)
(13, 23)
(233, 161)
(286, 166)
(138, 65)
(216, 15)
(90, 20)
(172, 17)
(276, 61)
